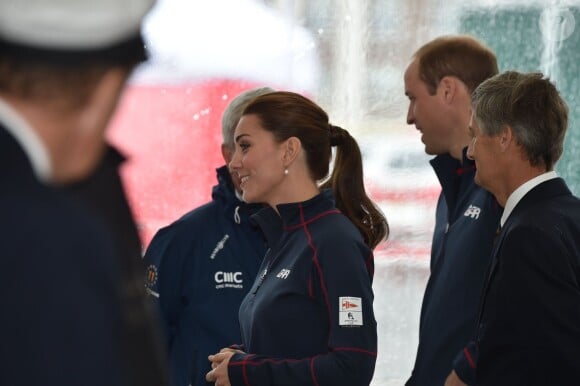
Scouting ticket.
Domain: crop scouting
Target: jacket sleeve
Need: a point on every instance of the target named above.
(164, 260)
(465, 363)
(157, 266)
(341, 274)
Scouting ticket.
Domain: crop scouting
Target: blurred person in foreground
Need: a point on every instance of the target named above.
(438, 82)
(103, 193)
(528, 328)
(308, 318)
(201, 267)
(62, 71)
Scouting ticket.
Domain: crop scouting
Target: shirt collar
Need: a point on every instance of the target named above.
(520, 192)
(30, 142)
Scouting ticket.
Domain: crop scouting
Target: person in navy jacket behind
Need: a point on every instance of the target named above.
(528, 329)
(200, 267)
(439, 81)
(308, 319)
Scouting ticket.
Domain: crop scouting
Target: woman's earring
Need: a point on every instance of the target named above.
(286, 171)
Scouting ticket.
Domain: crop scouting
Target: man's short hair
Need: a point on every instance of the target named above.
(234, 111)
(532, 106)
(460, 56)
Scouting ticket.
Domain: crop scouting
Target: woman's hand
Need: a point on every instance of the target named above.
(219, 365)
(454, 380)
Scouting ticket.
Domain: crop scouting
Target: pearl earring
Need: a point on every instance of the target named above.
(286, 171)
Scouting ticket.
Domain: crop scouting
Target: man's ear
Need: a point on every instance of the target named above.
(506, 138)
(292, 147)
(226, 153)
(450, 87)
(102, 102)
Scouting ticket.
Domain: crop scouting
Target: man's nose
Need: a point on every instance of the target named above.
(470, 148)
(410, 115)
(234, 162)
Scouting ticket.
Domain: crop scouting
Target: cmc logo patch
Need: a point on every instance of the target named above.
(228, 280)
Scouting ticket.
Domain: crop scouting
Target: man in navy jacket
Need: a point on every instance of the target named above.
(439, 82)
(200, 268)
(528, 329)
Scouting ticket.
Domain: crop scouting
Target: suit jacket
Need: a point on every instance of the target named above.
(59, 294)
(529, 323)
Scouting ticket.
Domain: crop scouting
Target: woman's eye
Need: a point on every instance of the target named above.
(244, 146)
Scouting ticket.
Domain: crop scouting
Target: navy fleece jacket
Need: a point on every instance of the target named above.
(308, 319)
(199, 270)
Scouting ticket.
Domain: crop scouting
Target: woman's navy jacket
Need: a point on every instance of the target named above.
(308, 319)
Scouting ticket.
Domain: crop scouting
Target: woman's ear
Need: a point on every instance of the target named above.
(292, 148)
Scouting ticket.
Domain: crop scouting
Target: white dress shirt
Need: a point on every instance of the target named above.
(521, 191)
(31, 143)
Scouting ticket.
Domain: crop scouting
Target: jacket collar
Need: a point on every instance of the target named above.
(294, 215)
(548, 189)
(516, 196)
(453, 175)
(449, 169)
(28, 139)
(224, 192)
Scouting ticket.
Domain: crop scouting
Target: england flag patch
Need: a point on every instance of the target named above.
(350, 311)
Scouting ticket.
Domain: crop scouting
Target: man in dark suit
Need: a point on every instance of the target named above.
(62, 292)
(528, 331)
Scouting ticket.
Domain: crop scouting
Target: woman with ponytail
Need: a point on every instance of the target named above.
(308, 319)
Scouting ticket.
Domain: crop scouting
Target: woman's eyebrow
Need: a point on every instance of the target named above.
(240, 136)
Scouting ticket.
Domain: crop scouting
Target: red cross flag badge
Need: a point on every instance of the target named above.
(350, 311)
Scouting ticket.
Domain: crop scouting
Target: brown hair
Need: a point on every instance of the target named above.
(460, 56)
(287, 114)
(532, 106)
(65, 86)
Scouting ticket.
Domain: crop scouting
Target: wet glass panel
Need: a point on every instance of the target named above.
(349, 56)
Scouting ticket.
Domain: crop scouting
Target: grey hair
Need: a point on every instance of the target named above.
(532, 106)
(233, 112)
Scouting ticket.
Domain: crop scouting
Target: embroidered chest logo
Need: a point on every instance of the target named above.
(219, 246)
(283, 274)
(350, 311)
(151, 280)
(228, 280)
(473, 212)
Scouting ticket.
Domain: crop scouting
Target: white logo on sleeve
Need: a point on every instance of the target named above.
(350, 311)
(283, 274)
(219, 246)
(473, 212)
